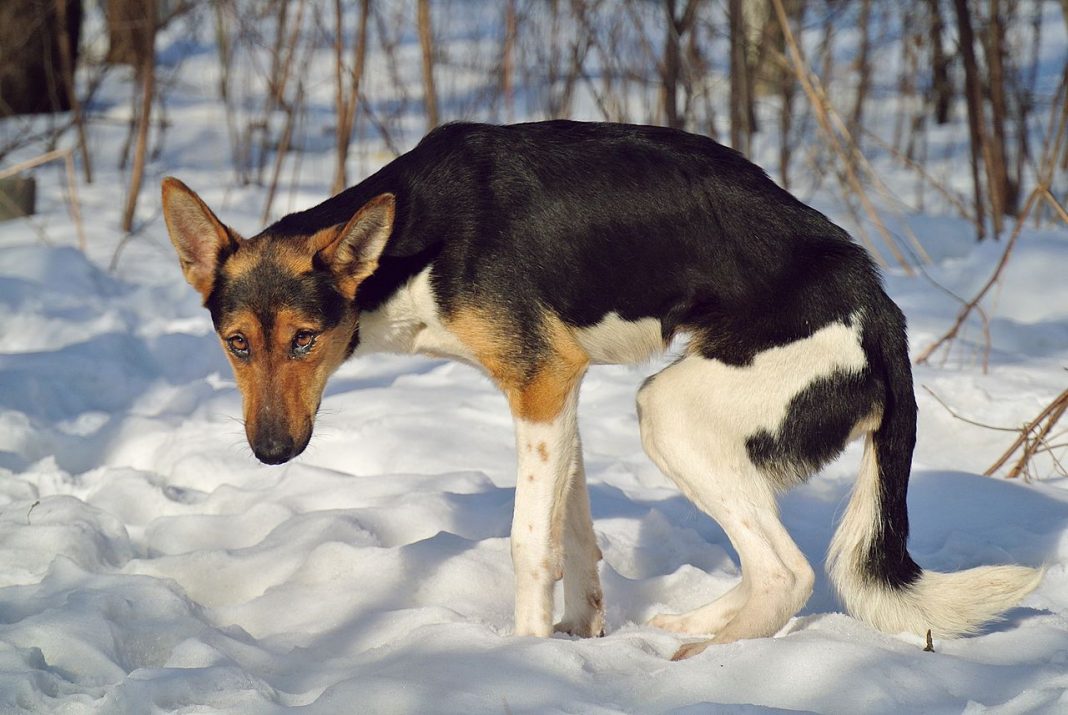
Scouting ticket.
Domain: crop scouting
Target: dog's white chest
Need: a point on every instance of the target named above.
(409, 322)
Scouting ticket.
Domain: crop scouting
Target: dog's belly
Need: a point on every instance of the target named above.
(410, 322)
(614, 340)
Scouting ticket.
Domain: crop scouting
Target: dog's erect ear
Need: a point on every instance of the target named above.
(196, 233)
(352, 252)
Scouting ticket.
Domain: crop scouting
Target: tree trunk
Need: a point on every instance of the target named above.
(787, 84)
(507, 84)
(68, 54)
(32, 37)
(941, 86)
(741, 101)
(1002, 192)
(671, 67)
(676, 27)
(275, 81)
(131, 26)
(863, 70)
(426, 41)
(347, 103)
(972, 91)
(146, 71)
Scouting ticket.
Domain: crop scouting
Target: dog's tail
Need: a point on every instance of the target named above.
(868, 561)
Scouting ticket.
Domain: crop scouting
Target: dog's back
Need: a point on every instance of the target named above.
(587, 220)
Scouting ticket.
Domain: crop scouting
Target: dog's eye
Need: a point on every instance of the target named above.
(238, 345)
(303, 341)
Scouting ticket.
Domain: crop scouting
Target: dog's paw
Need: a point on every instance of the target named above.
(581, 628)
(689, 650)
(674, 622)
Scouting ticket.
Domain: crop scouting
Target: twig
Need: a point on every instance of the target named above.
(346, 104)
(426, 42)
(148, 89)
(1055, 138)
(951, 334)
(285, 48)
(67, 155)
(75, 204)
(283, 147)
(1056, 205)
(1033, 444)
(31, 163)
(1053, 411)
(226, 55)
(864, 164)
(379, 124)
(951, 411)
(129, 237)
(819, 104)
(948, 195)
(67, 65)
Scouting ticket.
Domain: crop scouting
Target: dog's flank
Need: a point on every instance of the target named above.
(535, 250)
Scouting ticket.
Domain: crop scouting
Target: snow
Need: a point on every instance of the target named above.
(148, 563)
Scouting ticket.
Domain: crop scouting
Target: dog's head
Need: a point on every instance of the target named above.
(283, 307)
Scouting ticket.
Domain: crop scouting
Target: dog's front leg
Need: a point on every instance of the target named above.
(583, 598)
(545, 451)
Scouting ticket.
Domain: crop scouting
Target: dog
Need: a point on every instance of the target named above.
(534, 251)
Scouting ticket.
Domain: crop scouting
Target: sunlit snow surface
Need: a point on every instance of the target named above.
(148, 563)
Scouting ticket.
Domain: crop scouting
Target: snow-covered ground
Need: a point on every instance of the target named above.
(148, 563)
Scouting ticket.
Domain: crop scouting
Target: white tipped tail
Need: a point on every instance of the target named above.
(947, 604)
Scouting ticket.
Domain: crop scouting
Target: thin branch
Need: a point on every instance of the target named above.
(1054, 410)
(951, 334)
(148, 89)
(955, 414)
(948, 195)
(1041, 191)
(72, 195)
(819, 103)
(66, 59)
(30, 163)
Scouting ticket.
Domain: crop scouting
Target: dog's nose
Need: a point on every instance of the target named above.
(274, 449)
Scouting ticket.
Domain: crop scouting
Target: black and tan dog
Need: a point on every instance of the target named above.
(534, 251)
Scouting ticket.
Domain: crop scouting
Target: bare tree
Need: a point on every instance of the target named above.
(33, 36)
(774, 47)
(346, 101)
(1003, 194)
(741, 87)
(677, 26)
(144, 51)
(426, 41)
(225, 50)
(863, 63)
(508, 42)
(973, 94)
(941, 87)
(68, 54)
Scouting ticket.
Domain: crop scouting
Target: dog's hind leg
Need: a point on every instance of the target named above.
(709, 618)
(583, 598)
(694, 427)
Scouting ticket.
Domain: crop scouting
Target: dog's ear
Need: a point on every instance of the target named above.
(198, 236)
(352, 252)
